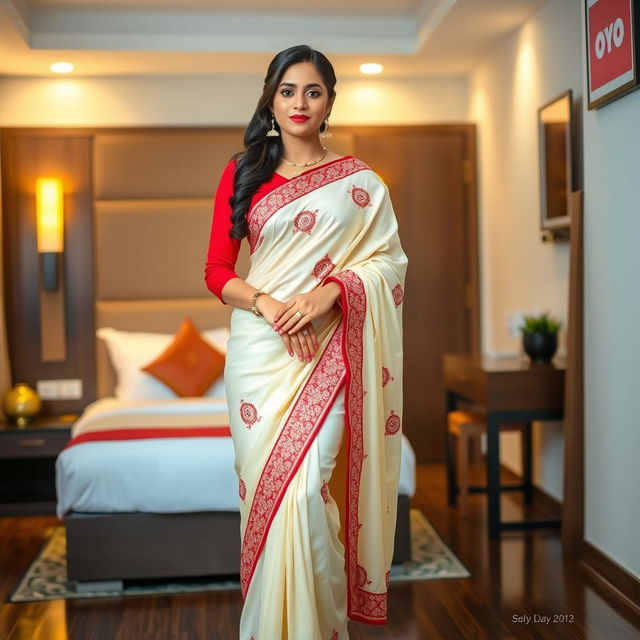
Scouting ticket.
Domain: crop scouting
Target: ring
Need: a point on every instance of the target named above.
(298, 315)
(305, 332)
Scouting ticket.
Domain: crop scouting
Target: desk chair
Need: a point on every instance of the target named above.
(464, 425)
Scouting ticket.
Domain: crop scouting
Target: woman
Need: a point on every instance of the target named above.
(315, 350)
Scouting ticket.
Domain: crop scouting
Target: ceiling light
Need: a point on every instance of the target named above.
(371, 67)
(62, 67)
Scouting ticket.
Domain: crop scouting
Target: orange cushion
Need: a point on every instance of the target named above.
(189, 365)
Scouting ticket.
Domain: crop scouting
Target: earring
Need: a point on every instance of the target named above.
(325, 133)
(272, 132)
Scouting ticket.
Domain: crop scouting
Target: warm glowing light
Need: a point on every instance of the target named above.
(371, 67)
(62, 67)
(49, 215)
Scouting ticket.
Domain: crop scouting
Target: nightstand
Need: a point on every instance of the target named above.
(27, 465)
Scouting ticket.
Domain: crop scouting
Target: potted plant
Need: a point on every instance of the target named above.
(540, 336)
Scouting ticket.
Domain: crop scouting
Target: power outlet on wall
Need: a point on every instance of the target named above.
(60, 389)
(47, 389)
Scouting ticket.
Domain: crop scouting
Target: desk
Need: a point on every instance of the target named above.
(511, 390)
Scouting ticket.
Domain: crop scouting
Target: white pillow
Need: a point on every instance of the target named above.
(129, 351)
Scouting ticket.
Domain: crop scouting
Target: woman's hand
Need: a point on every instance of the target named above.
(298, 312)
(304, 344)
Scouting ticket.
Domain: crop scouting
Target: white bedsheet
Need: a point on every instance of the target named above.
(161, 475)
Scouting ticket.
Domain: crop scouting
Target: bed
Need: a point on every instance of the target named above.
(141, 502)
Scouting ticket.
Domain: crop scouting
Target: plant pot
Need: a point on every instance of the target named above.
(540, 347)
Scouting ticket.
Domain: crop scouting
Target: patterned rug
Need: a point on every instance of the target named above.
(46, 578)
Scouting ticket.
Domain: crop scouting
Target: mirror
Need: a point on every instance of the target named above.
(556, 184)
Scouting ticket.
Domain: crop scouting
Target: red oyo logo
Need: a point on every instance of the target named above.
(609, 41)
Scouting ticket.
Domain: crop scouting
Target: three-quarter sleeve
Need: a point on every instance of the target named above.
(223, 250)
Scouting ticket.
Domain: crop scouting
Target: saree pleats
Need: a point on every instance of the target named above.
(305, 562)
(304, 569)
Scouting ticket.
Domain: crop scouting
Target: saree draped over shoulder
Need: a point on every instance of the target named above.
(308, 560)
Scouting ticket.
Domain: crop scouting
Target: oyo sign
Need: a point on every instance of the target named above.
(611, 35)
(610, 43)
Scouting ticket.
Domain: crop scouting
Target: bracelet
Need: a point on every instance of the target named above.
(254, 297)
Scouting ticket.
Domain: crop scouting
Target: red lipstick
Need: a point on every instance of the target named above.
(299, 118)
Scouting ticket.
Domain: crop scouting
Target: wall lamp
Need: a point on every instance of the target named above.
(50, 229)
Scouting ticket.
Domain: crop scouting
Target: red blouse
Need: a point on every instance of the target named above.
(223, 249)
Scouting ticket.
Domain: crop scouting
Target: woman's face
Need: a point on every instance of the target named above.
(302, 93)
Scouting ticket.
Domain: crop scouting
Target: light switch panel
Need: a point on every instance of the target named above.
(60, 389)
(70, 389)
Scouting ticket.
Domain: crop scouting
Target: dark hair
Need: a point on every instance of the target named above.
(261, 157)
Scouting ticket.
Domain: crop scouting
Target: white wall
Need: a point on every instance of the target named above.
(519, 273)
(215, 100)
(612, 309)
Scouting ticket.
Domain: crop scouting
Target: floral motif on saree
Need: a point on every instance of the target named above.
(392, 425)
(398, 295)
(324, 491)
(305, 221)
(323, 267)
(360, 196)
(249, 413)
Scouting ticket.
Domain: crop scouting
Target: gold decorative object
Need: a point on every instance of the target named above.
(21, 404)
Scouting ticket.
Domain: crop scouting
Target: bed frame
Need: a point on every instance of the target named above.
(105, 549)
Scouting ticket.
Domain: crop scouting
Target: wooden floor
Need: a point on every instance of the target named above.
(516, 585)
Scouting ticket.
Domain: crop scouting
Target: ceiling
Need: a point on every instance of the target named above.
(132, 37)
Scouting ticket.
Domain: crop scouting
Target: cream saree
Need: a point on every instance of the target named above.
(304, 568)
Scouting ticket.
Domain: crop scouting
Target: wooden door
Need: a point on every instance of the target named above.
(429, 171)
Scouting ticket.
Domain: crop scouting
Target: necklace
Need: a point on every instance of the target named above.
(310, 163)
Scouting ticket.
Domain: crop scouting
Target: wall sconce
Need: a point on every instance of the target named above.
(50, 229)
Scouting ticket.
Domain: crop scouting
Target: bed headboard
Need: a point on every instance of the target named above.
(153, 202)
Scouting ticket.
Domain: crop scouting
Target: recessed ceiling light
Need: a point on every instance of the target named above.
(371, 67)
(62, 67)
